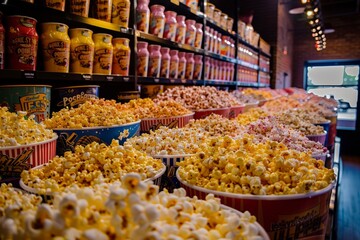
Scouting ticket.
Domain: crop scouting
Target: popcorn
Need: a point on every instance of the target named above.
(252, 115)
(281, 104)
(108, 211)
(16, 130)
(16, 198)
(90, 165)
(241, 166)
(92, 113)
(244, 98)
(258, 93)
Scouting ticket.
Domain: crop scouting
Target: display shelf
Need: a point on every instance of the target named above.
(179, 8)
(220, 83)
(151, 80)
(168, 43)
(264, 53)
(221, 57)
(212, 24)
(242, 41)
(248, 65)
(264, 70)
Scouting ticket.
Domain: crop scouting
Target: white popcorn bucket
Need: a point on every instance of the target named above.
(148, 124)
(318, 138)
(282, 216)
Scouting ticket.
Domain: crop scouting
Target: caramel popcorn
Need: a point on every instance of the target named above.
(16, 130)
(252, 115)
(90, 165)
(133, 210)
(92, 113)
(241, 166)
(258, 93)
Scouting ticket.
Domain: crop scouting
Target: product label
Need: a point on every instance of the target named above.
(182, 69)
(56, 4)
(189, 71)
(80, 7)
(12, 167)
(197, 71)
(173, 69)
(142, 67)
(157, 26)
(73, 101)
(154, 67)
(24, 48)
(180, 34)
(170, 31)
(190, 37)
(121, 62)
(165, 65)
(142, 21)
(56, 56)
(82, 56)
(120, 13)
(103, 60)
(36, 104)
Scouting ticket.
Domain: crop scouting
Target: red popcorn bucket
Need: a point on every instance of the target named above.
(293, 216)
(148, 124)
(318, 138)
(200, 114)
(236, 110)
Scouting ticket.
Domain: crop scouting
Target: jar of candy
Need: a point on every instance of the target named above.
(217, 16)
(170, 25)
(215, 42)
(209, 10)
(22, 42)
(142, 59)
(199, 35)
(207, 69)
(80, 7)
(154, 61)
(103, 9)
(121, 12)
(218, 43)
(2, 42)
(181, 29)
(190, 62)
(55, 44)
(165, 62)
(157, 20)
(81, 50)
(103, 53)
(121, 59)
(198, 67)
(223, 20)
(174, 64)
(142, 15)
(182, 65)
(190, 32)
(207, 38)
(229, 24)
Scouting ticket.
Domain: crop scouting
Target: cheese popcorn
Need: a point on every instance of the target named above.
(16, 130)
(241, 166)
(90, 165)
(134, 211)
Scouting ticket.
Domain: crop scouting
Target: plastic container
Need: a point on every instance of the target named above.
(219, 41)
(121, 57)
(193, 4)
(80, 7)
(142, 59)
(103, 9)
(55, 4)
(165, 62)
(154, 61)
(142, 15)
(181, 29)
(198, 67)
(199, 35)
(170, 25)
(182, 65)
(209, 10)
(81, 51)
(223, 21)
(157, 20)
(55, 45)
(207, 39)
(22, 43)
(241, 29)
(103, 53)
(190, 62)
(174, 64)
(34, 99)
(2, 42)
(190, 32)
(120, 12)
(215, 42)
(230, 24)
(72, 96)
(207, 69)
(217, 16)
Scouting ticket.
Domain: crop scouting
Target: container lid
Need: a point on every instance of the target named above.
(157, 6)
(142, 44)
(165, 50)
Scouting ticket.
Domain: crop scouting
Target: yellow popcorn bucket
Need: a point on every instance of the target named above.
(282, 216)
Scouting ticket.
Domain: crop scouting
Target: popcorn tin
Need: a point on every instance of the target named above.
(70, 138)
(236, 110)
(15, 159)
(49, 196)
(318, 138)
(283, 217)
(151, 124)
(72, 96)
(199, 114)
(34, 99)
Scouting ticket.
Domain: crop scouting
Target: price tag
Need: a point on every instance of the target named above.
(126, 79)
(194, 81)
(123, 30)
(86, 77)
(183, 80)
(176, 2)
(172, 80)
(29, 75)
(109, 78)
(156, 80)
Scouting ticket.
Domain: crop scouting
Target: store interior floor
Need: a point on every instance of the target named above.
(348, 210)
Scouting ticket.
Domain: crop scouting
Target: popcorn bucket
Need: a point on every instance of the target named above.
(322, 156)
(236, 110)
(158, 177)
(200, 114)
(13, 160)
(70, 138)
(248, 106)
(283, 217)
(326, 126)
(151, 124)
(169, 180)
(332, 130)
(318, 138)
(34, 99)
